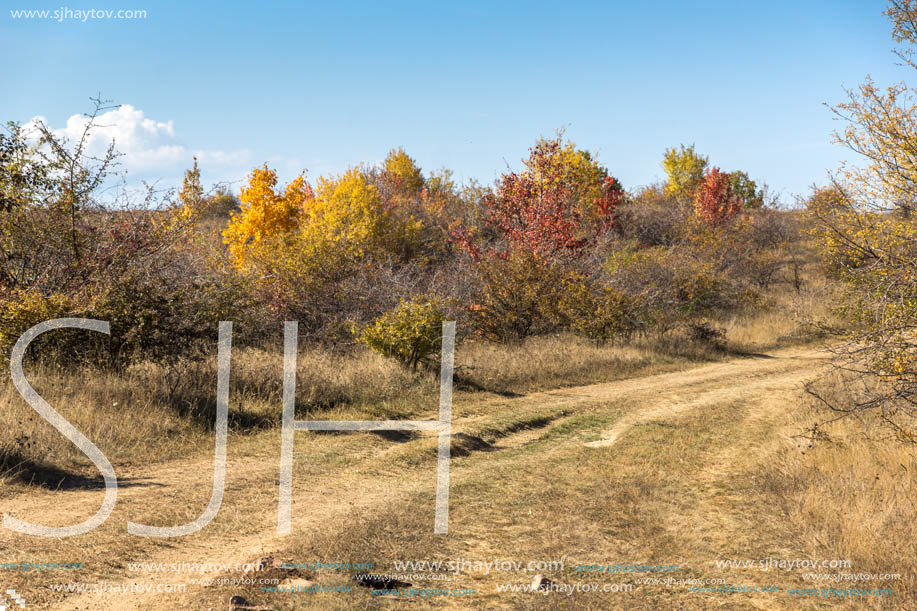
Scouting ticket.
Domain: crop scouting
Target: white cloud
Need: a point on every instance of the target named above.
(149, 148)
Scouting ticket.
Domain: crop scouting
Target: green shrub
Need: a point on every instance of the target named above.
(22, 309)
(600, 313)
(516, 297)
(411, 333)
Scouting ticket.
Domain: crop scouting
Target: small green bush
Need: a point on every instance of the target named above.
(600, 313)
(516, 297)
(22, 309)
(411, 333)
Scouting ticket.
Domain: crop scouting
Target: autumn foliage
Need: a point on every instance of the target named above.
(556, 207)
(685, 170)
(714, 199)
(539, 224)
(266, 212)
(379, 255)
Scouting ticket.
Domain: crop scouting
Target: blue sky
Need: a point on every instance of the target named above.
(466, 85)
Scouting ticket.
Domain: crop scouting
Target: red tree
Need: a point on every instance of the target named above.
(714, 201)
(561, 203)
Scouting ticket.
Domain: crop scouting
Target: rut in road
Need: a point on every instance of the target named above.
(246, 526)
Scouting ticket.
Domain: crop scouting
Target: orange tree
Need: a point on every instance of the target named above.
(301, 247)
(715, 200)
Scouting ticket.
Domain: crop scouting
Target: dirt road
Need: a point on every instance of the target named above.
(339, 476)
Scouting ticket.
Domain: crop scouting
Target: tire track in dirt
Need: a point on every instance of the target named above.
(246, 528)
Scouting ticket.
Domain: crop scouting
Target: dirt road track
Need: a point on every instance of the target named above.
(244, 530)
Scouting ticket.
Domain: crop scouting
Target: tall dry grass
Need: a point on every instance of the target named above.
(157, 411)
(853, 495)
(786, 316)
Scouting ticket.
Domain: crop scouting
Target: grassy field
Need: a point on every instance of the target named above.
(162, 411)
(666, 452)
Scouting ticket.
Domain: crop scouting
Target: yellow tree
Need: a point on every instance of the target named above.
(298, 244)
(868, 234)
(346, 213)
(192, 192)
(685, 171)
(189, 207)
(403, 171)
(265, 213)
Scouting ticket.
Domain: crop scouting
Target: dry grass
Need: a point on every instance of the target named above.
(674, 490)
(722, 482)
(719, 480)
(787, 316)
(540, 363)
(854, 496)
(124, 415)
(158, 411)
(154, 412)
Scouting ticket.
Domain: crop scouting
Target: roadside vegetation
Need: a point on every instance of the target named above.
(556, 275)
(559, 276)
